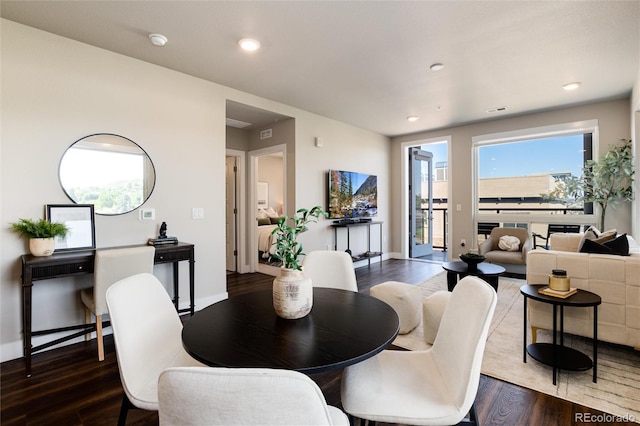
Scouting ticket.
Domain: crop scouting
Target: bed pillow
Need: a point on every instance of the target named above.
(262, 214)
(509, 243)
(265, 221)
(272, 213)
(618, 246)
(274, 220)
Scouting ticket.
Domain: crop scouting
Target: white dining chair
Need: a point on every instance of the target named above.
(110, 266)
(436, 386)
(242, 396)
(330, 269)
(147, 332)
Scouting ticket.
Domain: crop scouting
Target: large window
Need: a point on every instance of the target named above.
(516, 176)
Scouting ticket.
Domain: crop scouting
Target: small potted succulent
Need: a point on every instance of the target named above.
(292, 291)
(40, 233)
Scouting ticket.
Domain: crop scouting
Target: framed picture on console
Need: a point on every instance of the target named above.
(79, 218)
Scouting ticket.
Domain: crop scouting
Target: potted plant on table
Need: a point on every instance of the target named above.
(292, 291)
(41, 234)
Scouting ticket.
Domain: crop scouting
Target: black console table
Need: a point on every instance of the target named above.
(368, 255)
(68, 264)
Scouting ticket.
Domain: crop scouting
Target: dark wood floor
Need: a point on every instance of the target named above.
(70, 387)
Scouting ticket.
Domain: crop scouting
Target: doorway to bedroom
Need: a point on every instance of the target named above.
(267, 189)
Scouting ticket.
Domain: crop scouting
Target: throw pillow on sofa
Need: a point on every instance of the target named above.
(509, 243)
(618, 246)
(595, 235)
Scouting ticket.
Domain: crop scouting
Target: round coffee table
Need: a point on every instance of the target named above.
(487, 271)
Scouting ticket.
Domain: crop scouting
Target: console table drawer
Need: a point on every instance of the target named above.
(173, 255)
(51, 271)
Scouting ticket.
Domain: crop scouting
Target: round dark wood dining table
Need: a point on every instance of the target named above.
(342, 329)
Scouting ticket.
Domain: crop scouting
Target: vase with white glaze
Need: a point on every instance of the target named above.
(292, 294)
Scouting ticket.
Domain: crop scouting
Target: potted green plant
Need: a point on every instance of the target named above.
(604, 182)
(40, 233)
(292, 291)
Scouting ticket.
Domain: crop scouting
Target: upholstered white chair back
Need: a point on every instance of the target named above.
(147, 333)
(459, 345)
(112, 265)
(330, 269)
(239, 396)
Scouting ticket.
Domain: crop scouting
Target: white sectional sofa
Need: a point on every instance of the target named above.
(616, 279)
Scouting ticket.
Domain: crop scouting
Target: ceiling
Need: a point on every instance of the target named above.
(367, 63)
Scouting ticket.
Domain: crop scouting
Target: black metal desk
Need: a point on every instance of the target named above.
(68, 264)
(343, 328)
(557, 355)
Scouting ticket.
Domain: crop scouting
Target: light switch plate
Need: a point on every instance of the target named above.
(197, 213)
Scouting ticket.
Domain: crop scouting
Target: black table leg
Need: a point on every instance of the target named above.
(555, 347)
(595, 343)
(524, 332)
(452, 279)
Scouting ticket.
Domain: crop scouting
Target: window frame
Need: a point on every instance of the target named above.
(565, 129)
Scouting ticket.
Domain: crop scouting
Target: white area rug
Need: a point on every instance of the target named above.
(617, 391)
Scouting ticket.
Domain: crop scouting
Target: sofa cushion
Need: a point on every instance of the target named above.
(618, 246)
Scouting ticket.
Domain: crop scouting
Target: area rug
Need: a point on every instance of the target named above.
(616, 392)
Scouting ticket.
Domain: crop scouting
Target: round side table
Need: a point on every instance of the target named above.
(556, 354)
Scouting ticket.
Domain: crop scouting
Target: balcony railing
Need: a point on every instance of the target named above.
(441, 219)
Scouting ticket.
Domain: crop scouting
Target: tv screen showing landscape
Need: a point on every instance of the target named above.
(352, 195)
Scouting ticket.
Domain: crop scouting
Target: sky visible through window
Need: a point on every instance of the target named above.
(524, 158)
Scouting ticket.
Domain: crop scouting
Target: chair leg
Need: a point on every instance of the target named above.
(534, 334)
(124, 408)
(87, 320)
(99, 338)
(473, 418)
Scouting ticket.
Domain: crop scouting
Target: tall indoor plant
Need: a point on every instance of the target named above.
(605, 182)
(40, 233)
(292, 291)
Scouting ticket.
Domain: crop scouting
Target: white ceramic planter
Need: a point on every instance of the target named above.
(292, 294)
(42, 246)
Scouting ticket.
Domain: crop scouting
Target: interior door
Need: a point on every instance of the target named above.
(231, 212)
(421, 205)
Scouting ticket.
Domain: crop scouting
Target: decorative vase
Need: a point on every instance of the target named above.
(292, 294)
(42, 246)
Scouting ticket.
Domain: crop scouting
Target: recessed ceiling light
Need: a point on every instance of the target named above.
(158, 39)
(571, 86)
(436, 67)
(412, 118)
(249, 44)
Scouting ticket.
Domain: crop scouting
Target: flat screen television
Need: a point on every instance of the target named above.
(352, 195)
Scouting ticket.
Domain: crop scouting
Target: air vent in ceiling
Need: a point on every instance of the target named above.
(499, 109)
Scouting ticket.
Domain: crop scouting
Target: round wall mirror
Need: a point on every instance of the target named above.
(109, 171)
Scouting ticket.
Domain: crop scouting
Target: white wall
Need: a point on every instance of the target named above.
(614, 123)
(344, 148)
(55, 91)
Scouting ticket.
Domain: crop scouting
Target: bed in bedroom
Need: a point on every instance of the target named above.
(267, 220)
